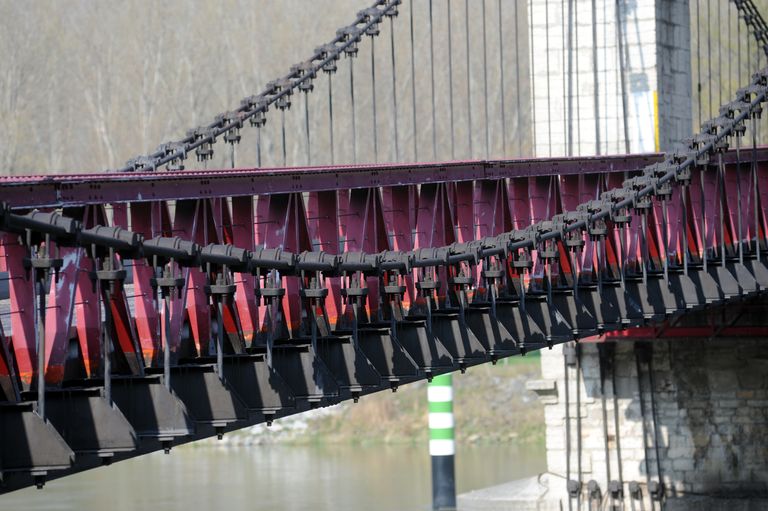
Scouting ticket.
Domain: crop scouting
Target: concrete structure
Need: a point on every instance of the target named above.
(651, 46)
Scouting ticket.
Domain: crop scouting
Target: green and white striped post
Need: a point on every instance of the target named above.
(441, 444)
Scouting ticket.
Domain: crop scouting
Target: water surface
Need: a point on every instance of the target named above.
(296, 478)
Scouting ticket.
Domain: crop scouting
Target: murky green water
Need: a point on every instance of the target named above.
(332, 478)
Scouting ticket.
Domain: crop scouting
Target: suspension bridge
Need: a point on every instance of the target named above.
(155, 304)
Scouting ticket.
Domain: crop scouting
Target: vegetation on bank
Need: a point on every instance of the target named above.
(491, 405)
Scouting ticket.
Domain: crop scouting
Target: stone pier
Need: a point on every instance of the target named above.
(683, 422)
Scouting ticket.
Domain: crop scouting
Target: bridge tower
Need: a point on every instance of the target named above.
(665, 418)
(609, 77)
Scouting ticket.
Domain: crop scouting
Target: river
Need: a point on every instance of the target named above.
(274, 478)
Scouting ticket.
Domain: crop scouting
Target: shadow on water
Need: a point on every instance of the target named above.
(306, 478)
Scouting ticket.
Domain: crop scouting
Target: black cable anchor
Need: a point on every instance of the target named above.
(329, 52)
(493, 254)
(394, 268)
(305, 73)
(282, 88)
(427, 261)
(351, 35)
(355, 268)
(269, 266)
(219, 262)
(257, 106)
(205, 137)
(104, 244)
(372, 16)
(233, 123)
(37, 231)
(165, 254)
(519, 246)
(177, 150)
(142, 164)
(313, 268)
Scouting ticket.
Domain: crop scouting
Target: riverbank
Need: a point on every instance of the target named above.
(491, 405)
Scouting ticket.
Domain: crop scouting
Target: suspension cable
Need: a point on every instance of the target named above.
(567, 428)
(276, 92)
(738, 51)
(569, 52)
(330, 118)
(677, 161)
(622, 74)
(617, 429)
(285, 153)
(396, 135)
(703, 227)
(450, 83)
(501, 79)
(485, 85)
(654, 419)
(549, 84)
(709, 57)
(603, 362)
(595, 81)
(258, 146)
(373, 103)
(576, 78)
(698, 58)
(738, 197)
(351, 37)
(641, 398)
(720, 64)
(730, 59)
(757, 190)
(432, 78)
(579, 442)
(517, 81)
(721, 200)
(686, 228)
(534, 126)
(413, 88)
(352, 104)
(469, 81)
(306, 128)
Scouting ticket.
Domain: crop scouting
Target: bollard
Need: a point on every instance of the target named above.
(441, 444)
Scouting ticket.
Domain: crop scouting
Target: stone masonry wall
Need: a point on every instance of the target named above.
(657, 67)
(711, 400)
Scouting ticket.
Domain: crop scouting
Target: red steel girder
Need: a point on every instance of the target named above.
(381, 207)
(78, 189)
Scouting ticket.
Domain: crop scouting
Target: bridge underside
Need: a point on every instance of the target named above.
(303, 318)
